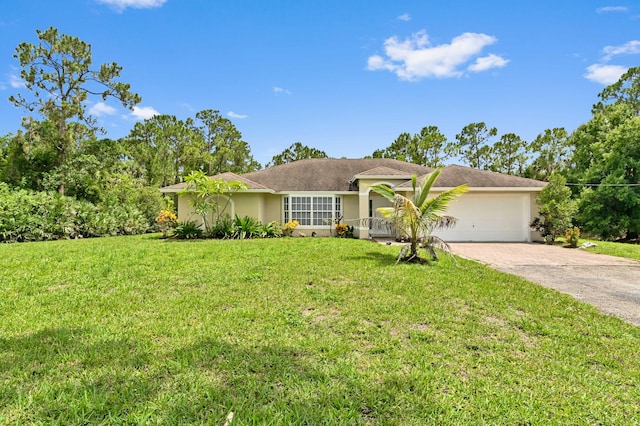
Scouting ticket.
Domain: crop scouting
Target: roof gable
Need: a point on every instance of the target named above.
(383, 171)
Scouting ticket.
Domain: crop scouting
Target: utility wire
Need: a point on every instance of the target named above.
(602, 184)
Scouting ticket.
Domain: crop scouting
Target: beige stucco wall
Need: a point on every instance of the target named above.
(268, 207)
(272, 208)
(350, 208)
(247, 204)
(185, 209)
(239, 204)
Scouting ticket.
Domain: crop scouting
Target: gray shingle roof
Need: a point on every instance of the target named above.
(334, 175)
(325, 174)
(230, 176)
(455, 175)
(384, 171)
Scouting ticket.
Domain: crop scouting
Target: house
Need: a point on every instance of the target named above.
(315, 192)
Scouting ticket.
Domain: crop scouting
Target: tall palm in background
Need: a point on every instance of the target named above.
(418, 216)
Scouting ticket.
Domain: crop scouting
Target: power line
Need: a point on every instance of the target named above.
(602, 184)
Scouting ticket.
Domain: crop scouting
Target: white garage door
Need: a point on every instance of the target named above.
(489, 217)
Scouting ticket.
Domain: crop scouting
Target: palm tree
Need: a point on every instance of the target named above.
(418, 216)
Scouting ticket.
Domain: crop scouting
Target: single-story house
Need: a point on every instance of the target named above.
(315, 192)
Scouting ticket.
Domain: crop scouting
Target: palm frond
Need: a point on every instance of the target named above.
(405, 206)
(422, 192)
(440, 203)
(433, 242)
(381, 223)
(384, 190)
(444, 222)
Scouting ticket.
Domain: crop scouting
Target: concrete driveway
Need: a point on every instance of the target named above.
(612, 284)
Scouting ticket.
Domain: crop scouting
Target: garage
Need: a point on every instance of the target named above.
(490, 216)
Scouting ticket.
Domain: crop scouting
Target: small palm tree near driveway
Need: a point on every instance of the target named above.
(418, 216)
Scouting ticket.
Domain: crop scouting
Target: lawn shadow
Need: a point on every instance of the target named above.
(185, 240)
(66, 376)
(382, 259)
(69, 376)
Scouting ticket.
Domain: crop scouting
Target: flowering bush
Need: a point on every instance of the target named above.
(344, 231)
(166, 220)
(572, 235)
(289, 227)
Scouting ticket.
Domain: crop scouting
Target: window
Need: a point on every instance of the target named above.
(312, 211)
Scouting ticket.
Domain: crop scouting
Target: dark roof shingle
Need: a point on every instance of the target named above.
(336, 175)
(326, 174)
(455, 175)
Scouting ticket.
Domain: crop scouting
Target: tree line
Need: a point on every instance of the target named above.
(58, 147)
(594, 172)
(478, 146)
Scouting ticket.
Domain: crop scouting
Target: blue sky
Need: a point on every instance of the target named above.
(346, 77)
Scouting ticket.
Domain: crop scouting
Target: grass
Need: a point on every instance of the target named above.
(630, 251)
(627, 250)
(138, 330)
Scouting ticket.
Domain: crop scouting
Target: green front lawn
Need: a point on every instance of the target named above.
(297, 331)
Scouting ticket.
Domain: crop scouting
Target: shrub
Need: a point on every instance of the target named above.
(37, 216)
(149, 201)
(246, 227)
(572, 235)
(271, 230)
(556, 209)
(223, 228)
(127, 220)
(188, 230)
(90, 222)
(122, 189)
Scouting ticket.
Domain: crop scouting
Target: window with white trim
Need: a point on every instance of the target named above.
(312, 210)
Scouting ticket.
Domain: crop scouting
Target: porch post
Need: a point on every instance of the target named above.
(363, 211)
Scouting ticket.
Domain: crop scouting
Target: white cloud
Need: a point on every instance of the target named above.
(121, 5)
(101, 109)
(234, 115)
(188, 107)
(377, 62)
(277, 89)
(405, 17)
(16, 82)
(607, 9)
(604, 74)
(488, 62)
(629, 48)
(143, 113)
(415, 58)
